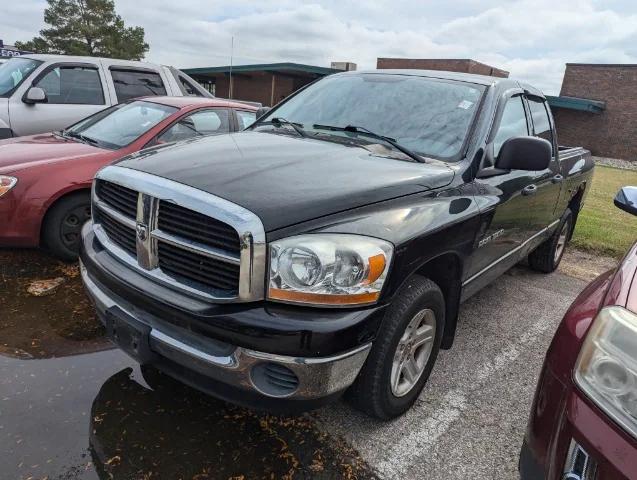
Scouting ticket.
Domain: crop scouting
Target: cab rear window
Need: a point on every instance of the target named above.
(136, 83)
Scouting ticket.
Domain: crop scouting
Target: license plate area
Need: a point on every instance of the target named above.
(129, 334)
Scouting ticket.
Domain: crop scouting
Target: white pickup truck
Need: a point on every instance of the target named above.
(42, 93)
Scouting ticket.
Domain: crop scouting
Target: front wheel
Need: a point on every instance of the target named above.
(404, 352)
(548, 255)
(63, 223)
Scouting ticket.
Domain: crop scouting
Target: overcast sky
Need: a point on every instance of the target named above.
(533, 39)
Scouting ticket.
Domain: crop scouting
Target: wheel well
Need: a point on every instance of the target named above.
(574, 204)
(74, 193)
(445, 271)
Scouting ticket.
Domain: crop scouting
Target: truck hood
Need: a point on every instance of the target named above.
(287, 180)
(23, 152)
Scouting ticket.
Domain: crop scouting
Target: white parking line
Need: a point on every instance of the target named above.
(402, 455)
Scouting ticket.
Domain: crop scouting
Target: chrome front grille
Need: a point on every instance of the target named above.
(197, 227)
(180, 236)
(119, 233)
(183, 264)
(579, 465)
(122, 199)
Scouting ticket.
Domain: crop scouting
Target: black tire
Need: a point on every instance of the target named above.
(372, 391)
(62, 225)
(548, 255)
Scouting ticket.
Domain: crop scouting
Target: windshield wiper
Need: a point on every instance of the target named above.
(278, 121)
(79, 136)
(369, 133)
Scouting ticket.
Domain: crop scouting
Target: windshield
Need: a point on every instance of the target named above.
(428, 116)
(118, 126)
(13, 73)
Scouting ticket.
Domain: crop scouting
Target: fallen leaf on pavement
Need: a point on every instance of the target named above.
(41, 288)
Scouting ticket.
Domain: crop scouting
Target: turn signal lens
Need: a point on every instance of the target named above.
(7, 183)
(328, 269)
(607, 365)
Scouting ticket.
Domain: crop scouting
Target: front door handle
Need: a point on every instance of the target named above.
(557, 178)
(529, 190)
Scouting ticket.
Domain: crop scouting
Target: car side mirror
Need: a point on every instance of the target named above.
(35, 95)
(626, 200)
(262, 111)
(524, 153)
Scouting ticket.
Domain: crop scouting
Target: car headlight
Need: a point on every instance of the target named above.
(7, 183)
(607, 365)
(328, 269)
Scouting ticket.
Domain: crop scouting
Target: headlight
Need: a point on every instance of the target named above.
(607, 365)
(7, 183)
(328, 269)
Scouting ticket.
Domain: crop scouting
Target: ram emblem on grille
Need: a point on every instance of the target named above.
(142, 231)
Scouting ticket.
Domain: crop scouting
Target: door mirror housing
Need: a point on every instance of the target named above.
(626, 200)
(261, 111)
(35, 95)
(524, 153)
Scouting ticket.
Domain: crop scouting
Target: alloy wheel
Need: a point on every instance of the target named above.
(561, 242)
(413, 352)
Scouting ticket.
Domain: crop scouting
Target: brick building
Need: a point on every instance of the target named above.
(449, 65)
(265, 83)
(597, 108)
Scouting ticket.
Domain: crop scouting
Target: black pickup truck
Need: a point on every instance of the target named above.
(326, 249)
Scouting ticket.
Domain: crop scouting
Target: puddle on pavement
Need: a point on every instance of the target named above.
(62, 323)
(71, 407)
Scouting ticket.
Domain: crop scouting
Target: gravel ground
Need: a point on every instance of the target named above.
(615, 162)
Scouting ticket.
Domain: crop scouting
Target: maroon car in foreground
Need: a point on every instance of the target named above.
(583, 423)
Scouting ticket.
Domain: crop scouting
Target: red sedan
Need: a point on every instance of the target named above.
(583, 423)
(45, 180)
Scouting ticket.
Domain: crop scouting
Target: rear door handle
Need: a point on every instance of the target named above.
(529, 190)
(557, 178)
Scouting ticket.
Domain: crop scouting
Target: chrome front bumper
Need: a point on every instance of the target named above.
(234, 366)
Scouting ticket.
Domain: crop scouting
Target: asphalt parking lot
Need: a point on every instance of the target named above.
(71, 407)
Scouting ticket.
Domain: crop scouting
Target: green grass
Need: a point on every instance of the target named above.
(601, 226)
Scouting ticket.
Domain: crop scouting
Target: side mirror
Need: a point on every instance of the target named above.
(524, 153)
(262, 111)
(626, 200)
(35, 95)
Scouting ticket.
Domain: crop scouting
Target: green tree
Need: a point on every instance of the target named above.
(87, 27)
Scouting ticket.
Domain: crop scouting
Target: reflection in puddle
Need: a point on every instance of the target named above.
(93, 416)
(178, 432)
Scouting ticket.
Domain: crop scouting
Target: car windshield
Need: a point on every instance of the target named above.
(13, 73)
(430, 117)
(121, 125)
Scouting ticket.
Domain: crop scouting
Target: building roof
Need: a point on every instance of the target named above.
(261, 67)
(575, 103)
(442, 74)
(440, 61)
(603, 65)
